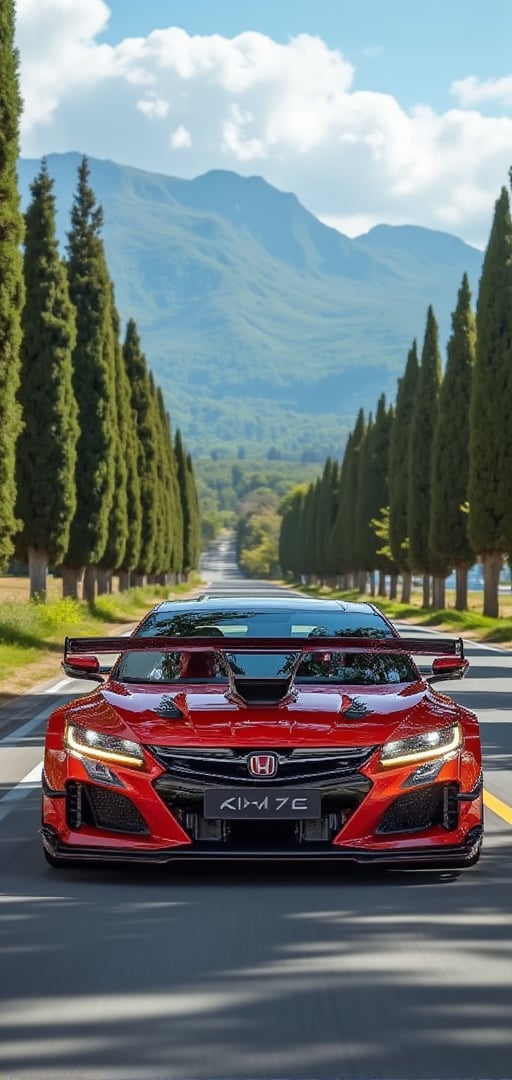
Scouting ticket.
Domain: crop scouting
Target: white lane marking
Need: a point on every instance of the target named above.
(32, 780)
(28, 783)
(26, 729)
(58, 686)
(31, 725)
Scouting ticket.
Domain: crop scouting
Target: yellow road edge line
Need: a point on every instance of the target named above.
(498, 807)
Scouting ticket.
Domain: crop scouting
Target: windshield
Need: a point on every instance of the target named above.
(258, 624)
(362, 669)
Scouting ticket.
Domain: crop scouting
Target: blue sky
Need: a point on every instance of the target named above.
(370, 111)
(400, 47)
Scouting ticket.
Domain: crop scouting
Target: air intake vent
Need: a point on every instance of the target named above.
(263, 692)
(103, 809)
(168, 709)
(430, 807)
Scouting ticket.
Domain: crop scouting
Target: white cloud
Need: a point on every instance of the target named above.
(287, 111)
(181, 138)
(472, 91)
(58, 49)
(153, 107)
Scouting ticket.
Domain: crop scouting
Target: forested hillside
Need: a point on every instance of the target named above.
(265, 328)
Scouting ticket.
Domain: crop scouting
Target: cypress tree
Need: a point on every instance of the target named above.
(379, 476)
(364, 541)
(330, 566)
(93, 380)
(130, 442)
(11, 278)
(490, 438)
(290, 539)
(399, 471)
(173, 526)
(195, 530)
(115, 549)
(309, 519)
(162, 492)
(166, 558)
(337, 553)
(189, 506)
(147, 438)
(46, 457)
(344, 528)
(325, 517)
(423, 423)
(450, 451)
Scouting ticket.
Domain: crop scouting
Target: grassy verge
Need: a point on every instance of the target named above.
(470, 624)
(32, 635)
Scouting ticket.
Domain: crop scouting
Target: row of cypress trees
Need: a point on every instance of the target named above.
(91, 479)
(425, 485)
(101, 485)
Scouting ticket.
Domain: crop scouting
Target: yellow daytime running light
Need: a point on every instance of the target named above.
(92, 744)
(425, 747)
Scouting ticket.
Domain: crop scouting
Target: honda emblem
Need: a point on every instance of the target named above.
(262, 764)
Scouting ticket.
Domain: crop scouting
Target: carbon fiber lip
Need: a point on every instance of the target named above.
(435, 858)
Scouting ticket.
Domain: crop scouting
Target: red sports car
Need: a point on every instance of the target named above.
(267, 729)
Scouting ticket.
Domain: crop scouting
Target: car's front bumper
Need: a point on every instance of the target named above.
(434, 857)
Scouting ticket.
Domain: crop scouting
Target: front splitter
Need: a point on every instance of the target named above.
(414, 858)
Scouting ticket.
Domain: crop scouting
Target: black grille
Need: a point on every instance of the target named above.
(230, 766)
(432, 807)
(103, 809)
(190, 772)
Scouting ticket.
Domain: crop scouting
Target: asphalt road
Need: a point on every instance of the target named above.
(304, 972)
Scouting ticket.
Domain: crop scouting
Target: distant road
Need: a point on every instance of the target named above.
(293, 973)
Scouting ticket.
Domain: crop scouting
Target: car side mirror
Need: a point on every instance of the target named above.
(448, 667)
(83, 667)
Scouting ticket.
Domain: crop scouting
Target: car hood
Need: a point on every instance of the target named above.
(206, 716)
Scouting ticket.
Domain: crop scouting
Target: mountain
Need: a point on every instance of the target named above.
(266, 329)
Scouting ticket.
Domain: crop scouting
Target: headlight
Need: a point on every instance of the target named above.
(93, 744)
(424, 747)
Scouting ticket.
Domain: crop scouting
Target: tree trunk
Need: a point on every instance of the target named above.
(90, 576)
(439, 592)
(491, 563)
(371, 577)
(393, 586)
(382, 583)
(104, 581)
(124, 580)
(361, 581)
(38, 573)
(426, 591)
(140, 580)
(461, 588)
(406, 586)
(71, 580)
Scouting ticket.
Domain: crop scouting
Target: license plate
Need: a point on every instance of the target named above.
(286, 804)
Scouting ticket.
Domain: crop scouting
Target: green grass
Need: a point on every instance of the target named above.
(32, 632)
